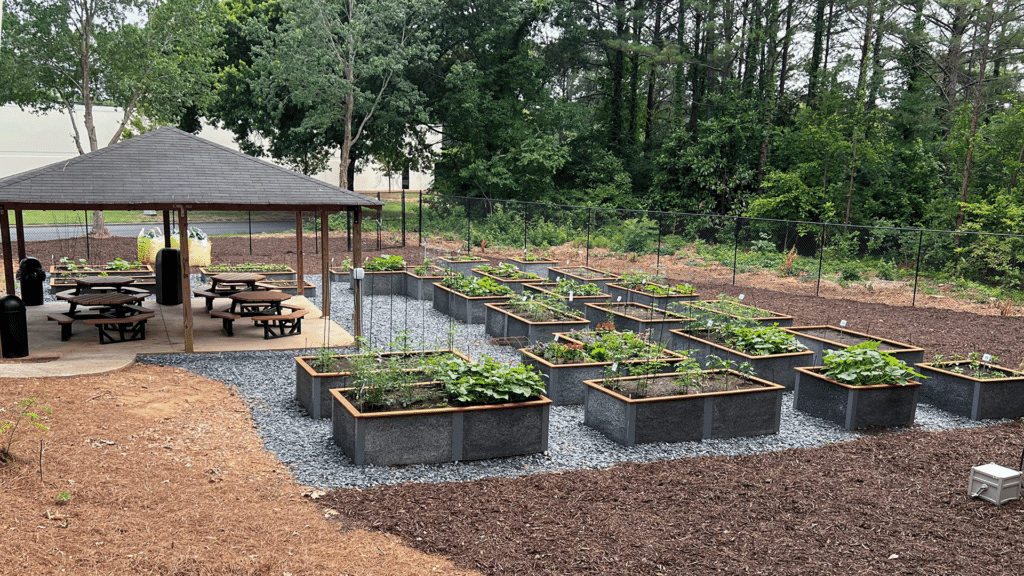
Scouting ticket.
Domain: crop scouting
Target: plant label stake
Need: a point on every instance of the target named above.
(570, 299)
(741, 297)
(619, 299)
(986, 358)
(556, 337)
(615, 367)
(842, 323)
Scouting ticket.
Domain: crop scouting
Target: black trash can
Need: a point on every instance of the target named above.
(31, 275)
(13, 328)
(168, 277)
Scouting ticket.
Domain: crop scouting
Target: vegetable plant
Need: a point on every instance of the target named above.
(566, 286)
(506, 270)
(474, 287)
(385, 263)
(487, 381)
(758, 340)
(864, 365)
(257, 267)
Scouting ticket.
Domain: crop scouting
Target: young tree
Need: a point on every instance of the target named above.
(82, 52)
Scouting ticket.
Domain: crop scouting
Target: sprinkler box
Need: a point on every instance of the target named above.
(994, 483)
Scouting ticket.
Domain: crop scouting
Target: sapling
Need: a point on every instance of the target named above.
(27, 420)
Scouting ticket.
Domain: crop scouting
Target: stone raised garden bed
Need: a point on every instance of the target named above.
(638, 318)
(523, 328)
(461, 266)
(539, 267)
(467, 309)
(583, 274)
(312, 387)
(820, 339)
(701, 310)
(422, 287)
(271, 271)
(564, 375)
(754, 409)
(384, 283)
(647, 296)
(777, 368)
(853, 407)
(577, 302)
(977, 390)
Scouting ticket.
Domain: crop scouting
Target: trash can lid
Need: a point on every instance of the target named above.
(11, 303)
(31, 262)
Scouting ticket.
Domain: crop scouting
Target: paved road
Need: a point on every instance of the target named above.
(132, 230)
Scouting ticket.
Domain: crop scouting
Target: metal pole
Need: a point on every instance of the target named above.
(526, 218)
(657, 262)
(469, 229)
(88, 253)
(403, 217)
(917, 268)
(821, 254)
(421, 217)
(735, 248)
(590, 221)
(250, 233)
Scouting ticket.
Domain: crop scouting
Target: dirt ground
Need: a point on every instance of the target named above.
(164, 474)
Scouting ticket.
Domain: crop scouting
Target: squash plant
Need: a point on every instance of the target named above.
(506, 270)
(385, 263)
(864, 365)
(474, 287)
(758, 340)
(566, 286)
(486, 381)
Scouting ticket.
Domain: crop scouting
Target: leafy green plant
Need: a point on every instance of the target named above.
(864, 365)
(27, 419)
(257, 267)
(758, 340)
(427, 268)
(121, 264)
(566, 286)
(506, 270)
(63, 497)
(325, 360)
(474, 287)
(385, 263)
(487, 381)
(971, 365)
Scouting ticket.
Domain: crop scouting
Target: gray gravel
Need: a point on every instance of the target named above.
(266, 380)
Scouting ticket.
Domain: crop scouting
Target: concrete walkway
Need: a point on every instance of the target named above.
(165, 334)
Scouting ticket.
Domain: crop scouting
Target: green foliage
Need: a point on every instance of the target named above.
(385, 263)
(121, 264)
(759, 340)
(26, 419)
(630, 235)
(427, 268)
(864, 365)
(566, 286)
(475, 286)
(487, 381)
(506, 270)
(256, 267)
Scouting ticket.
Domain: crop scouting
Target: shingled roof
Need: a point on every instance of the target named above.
(168, 168)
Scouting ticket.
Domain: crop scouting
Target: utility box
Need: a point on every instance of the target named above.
(994, 483)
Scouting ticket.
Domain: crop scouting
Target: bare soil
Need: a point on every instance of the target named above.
(166, 475)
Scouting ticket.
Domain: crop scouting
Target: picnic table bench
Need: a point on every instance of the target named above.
(125, 328)
(274, 325)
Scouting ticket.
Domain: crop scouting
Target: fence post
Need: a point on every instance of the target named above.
(469, 229)
(250, 233)
(821, 254)
(735, 247)
(403, 217)
(348, 233)
(526, 218)
(88, 253)
(421, 217)
(917, 267)
(590, 221)
(657, 247)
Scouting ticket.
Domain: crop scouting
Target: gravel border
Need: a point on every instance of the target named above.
(266, 380)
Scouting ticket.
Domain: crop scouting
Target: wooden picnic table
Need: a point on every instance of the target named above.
(257, 302)
(233, 279)
(115, 302)
(99, 282)
(118, 318)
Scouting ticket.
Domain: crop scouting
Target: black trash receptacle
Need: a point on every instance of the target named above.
(13, 327)
(168, 277)
(31, 275)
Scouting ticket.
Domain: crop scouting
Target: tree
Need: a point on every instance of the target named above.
(338, 61)
(72, 52)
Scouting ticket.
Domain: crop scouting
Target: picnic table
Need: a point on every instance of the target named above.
(226, 284)
(102, 283)
(265, 308)
(115, 314)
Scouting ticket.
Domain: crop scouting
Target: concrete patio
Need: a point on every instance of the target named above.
(165, 334)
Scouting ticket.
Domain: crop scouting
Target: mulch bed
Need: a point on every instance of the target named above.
(891, 503)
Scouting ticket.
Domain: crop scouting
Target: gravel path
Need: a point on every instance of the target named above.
(267, 381)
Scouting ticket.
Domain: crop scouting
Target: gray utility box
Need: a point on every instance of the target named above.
(994, 483)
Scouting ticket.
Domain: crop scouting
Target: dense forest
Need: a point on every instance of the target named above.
(849, 111)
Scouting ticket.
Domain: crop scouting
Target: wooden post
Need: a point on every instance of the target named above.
(167, 228)
(357, 262)
(300, 277)
(5, 234)
(19, 224)
(186, 285)
(325, 270)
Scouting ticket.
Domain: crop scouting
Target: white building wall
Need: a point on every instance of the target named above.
(30, 141)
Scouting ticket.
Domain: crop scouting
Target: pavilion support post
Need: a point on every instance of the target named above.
(357, 283)
(299, 268)
(5, 235)
(186, 284)
(167, 228)
(19, 225)
(325, 270)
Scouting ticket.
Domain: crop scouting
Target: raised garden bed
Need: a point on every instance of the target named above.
(574, 301)
(776, 367)
(638, 318)
(62, 276)
(271, 271)
(712, 309)
(384, 283)
(656, 295)
(526, 326)
(977, 390)
(537, 266)
(507, 275)
(421, 286)
(574, 357)
(744, 406)
(340, 274)
(582, 274)
(312, 386)
(853, 407)
(474, 411)
(820, 339)
(461, 265)
(462, 307)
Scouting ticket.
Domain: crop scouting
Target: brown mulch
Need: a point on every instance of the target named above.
(167, 476)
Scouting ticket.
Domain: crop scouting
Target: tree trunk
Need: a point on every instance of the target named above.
(618, 66)
(817, 48)
(975, 112)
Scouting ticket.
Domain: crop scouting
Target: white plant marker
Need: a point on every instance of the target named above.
(742, 296)
(842, 323)
(618, 299)
(556, 337)
(986, 358)
(570, 295)
(615, 367)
